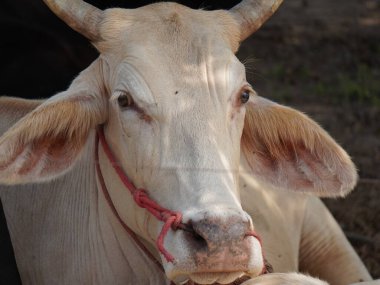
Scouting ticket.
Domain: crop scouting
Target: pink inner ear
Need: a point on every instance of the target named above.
(280, 171)
(318, 171)
(43, 157)
(295, 168)
(286, 149)
(61, 153)
(34, 157)
(16, 153)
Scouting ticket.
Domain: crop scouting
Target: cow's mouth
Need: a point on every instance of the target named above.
(232, 278)
(221, 278)
(237, 281)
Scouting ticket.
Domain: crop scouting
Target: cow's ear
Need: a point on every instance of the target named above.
(46, 142)
(286, 149)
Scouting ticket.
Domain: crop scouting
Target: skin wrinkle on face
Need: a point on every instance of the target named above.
(129, 80)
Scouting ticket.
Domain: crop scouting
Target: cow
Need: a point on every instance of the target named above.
(161, 165)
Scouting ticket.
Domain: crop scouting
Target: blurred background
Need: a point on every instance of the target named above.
(321, 57)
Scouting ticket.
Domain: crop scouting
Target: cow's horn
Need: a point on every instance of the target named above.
(251, 14)
(79, 15)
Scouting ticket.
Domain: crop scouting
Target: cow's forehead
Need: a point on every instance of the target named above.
(167, 25)
(204, 89)
(166, 49)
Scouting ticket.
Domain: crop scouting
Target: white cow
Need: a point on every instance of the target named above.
(178, 117)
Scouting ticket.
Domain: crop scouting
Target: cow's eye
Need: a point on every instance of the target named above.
(125, 100)
(244, 97)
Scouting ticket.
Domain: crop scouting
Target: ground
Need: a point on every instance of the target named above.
(323, 58)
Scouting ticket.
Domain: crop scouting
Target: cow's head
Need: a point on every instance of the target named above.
(178, 111)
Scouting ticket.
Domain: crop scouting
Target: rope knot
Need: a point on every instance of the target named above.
(177, 221)
(174, 218)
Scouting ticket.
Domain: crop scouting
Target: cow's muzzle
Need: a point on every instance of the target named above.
(219, 249)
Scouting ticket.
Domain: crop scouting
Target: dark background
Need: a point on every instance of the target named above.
(39, 54)
(322, 57)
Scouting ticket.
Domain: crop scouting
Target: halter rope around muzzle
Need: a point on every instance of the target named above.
(171, 219)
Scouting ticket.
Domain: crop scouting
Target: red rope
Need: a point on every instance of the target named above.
(171, 219)
(114, 211)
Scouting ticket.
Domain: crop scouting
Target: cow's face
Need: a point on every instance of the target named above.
(177, 112)
(177, 107)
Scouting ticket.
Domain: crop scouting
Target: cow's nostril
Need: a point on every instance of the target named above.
(213, 231)
(196, 238)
